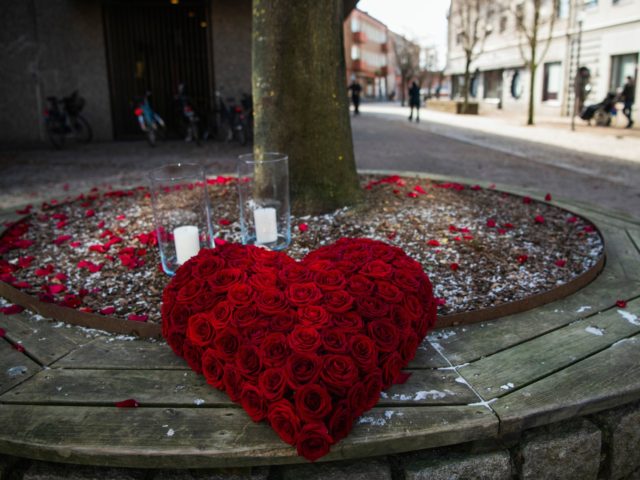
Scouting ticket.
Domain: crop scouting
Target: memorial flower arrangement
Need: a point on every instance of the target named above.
(305, 346)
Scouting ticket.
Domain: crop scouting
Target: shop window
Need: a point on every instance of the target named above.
(552, 81)
(622, 66)
(492, 84)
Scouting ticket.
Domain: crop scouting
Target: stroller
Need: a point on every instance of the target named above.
(601, 112)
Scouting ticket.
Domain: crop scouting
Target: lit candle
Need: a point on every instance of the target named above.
(266, 225)
(187, 242)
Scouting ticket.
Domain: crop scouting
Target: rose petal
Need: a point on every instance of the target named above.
(11, 309)
(539, 219)
(303, 227)
(129, 403)
(61, 239)
(560, 263)
(522, 259)
(454, 266)
(547, 197)
(18, 347)
(491, 223)
(526, 200)
(440, 301)
(224, 222)
(476, 187)
(433, 243)
(572, 219)
(89, 213)
(392, 235)
(137, 318)
(75, 244)
(621, 303)
(219, 242)
(108, 310)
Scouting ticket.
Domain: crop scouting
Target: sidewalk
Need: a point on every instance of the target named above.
(612, 142)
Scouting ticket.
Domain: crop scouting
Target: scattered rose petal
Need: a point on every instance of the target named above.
(21, 285)
(54, 289)
(11, 309)
(522, 259)
(25, 211)
(526, 200)
(412, 195)
(25, 262)
(441, 301)
(43, 272)
(61, 224)
(508, 225)
(129, 403)
(572, 219)
(121, 217)
(75, 244)
(108, 310)
(453, 228)
(589, 229)
(547, 197)
(454, 266)
(418, 189)
(468, 237)
(89, 213)
(560, 263)
(61, 239)
(137, 318)
(392, 235)
(92, 267)
(433, 243)
(476, 187)
(224, 222)
(621, 303)
(60, 277)
(303, 227)
(502, 231)
(18, 347)
(539, 219)
(101, 224)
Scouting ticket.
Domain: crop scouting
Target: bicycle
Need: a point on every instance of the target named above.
(66, 122)
(150, 122)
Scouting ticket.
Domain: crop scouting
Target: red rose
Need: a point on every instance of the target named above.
(248, 361)
(207, 266)
(384, 252)
(301, 294)
(313, 441)
(338, 373)
(372, 307)
(244, 317)
(319, 265)
(334, 341)
(264, 279)
(358, 399)
(304, 339)
(372, 388)
(385, 334)
(253, 402)
(256, 333)
(226, 342)
(213, 368)
(377, 269)
(221, 313)
(341, 421)
(232, 382)
(189, 291)
(348, 322)
(193, 355)
(272, 384)
(240, 295)
(175, 340)
(275, 350)
(294, 273)
(364, 352)
(271, 301)
(205, 299)
(391, 365)
(408, 346)
(302, 368)
(410, 308)
(329, 280)
(406, 281)
(360, 286)
(224, 279)
(346, 267)
(389, 292)
(282, 322)
(200, 331)
(313, 402)
(313, 316)
(284, 421)
(338, 301)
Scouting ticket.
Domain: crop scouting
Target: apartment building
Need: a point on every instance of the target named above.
(602, 36)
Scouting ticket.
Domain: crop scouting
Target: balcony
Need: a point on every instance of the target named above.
(359, 37)
(384, 71)
(358, 65)
(384, 47)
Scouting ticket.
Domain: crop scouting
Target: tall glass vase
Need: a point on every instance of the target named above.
(263, 187)
(181, 212)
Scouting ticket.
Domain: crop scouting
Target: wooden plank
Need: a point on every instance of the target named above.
(622, 252)
(634, 235)
(211, 437)
(41, 339)
(605, 380)
(15, 367)
(427, 356)
(429, 387)
(520, 365)
(111, 353)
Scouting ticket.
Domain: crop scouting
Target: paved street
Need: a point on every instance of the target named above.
(489, 149)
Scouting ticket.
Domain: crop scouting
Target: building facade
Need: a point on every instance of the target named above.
(602, 36)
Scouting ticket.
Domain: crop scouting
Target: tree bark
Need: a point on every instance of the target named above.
(300, 100)
(467, 77)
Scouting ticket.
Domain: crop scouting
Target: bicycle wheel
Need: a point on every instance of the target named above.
(151, 137)
(55, 132)
(82, 129)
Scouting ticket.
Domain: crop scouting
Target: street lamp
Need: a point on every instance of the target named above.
(580, 18)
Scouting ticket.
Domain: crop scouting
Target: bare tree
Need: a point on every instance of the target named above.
(535, 20)
(472, 24)
(408, 59)
(300, 99)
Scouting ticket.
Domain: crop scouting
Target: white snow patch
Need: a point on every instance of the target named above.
(630, 317)
(198, 401)
(171, 432)
(594, 331)
(483, 404)
(507, 386)
(372, 421)
(583, 309)
(463, 381)
(433, 394)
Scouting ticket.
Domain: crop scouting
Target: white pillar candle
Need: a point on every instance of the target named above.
(187, 242)
(266, 225)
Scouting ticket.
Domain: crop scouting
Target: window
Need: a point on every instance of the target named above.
(492, 84)
(622, 66)
(552, 81)
(590, 3)
(563, 9)
(355, 24)
(503, 23)
(355, 52)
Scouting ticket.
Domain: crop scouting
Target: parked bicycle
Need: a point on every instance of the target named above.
(234, 122)
(150, 122)
(63, 120)
(190, 118)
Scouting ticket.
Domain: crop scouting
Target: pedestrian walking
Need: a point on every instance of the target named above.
(355, 89)
(414, 101)
(628, 97)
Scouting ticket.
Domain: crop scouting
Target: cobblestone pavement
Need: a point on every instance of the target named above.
(481, 148)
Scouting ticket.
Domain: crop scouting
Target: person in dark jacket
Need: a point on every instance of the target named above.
(355, 89)
(628, 97)
(414, 101)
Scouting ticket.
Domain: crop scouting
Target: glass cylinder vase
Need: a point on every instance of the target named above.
(263, 187)
(181, 212)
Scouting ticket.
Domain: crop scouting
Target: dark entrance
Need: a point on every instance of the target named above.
(153, 46)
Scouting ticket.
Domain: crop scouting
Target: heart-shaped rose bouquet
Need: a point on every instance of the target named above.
(308, 346)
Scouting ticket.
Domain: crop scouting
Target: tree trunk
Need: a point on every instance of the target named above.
(300, 100)
(403, 90)
(532, 68)
(467, 76)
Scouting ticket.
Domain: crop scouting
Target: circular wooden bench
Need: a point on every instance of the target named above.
(572, 357)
